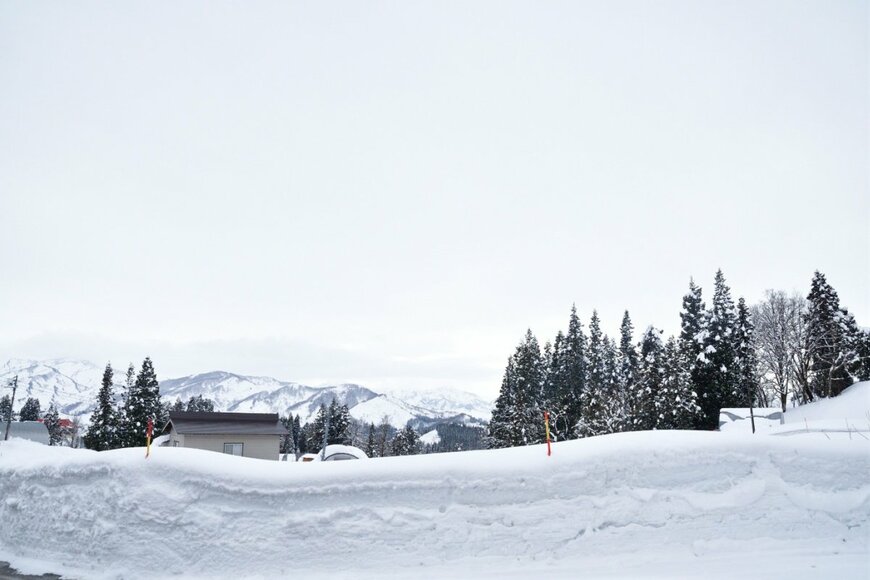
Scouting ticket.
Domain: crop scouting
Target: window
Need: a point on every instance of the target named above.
(234, 448)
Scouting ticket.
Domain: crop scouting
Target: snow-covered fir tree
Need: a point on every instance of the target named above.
(717, 369)
(574, 363)
(693, 328)
(594, 398)
(831, 353)
(518, 417)
(371, 447)
(52, 424)
(31, 410)
(406, 442)
(6, 412)
(650, 379)
(143, 403)
(104, 429)
(676, 403)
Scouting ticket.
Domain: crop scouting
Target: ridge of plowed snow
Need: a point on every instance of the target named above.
(672, 503)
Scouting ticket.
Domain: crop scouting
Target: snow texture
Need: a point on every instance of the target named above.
(648, 504)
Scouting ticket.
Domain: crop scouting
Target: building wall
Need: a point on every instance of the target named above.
(257, 446)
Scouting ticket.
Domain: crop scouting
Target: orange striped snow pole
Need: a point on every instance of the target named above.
(148, 432)
(547, 431)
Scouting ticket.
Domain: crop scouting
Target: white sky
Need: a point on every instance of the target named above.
(392, 192)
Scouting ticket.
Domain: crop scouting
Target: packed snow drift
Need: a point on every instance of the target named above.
(652, 504)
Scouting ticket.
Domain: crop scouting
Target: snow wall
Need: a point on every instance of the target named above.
(612, 506)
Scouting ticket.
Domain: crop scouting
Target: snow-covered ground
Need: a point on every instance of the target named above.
(660, 504)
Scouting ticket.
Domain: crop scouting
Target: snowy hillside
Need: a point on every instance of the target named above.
(654, 504)
(71, 384)
(74, 385)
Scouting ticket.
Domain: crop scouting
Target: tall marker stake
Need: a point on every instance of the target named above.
(547, 431)
(149, 431)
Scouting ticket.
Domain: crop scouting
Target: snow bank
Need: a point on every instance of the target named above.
(659, 504)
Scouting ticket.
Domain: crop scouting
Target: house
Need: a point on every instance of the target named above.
(31, 430)
(255, 435)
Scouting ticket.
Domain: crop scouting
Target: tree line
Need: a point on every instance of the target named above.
(727, 355)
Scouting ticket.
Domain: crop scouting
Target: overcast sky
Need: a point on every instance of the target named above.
(392, 192)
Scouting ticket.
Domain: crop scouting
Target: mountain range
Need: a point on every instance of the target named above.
(73, 386)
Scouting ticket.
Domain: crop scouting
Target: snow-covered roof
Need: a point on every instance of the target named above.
(225, 424)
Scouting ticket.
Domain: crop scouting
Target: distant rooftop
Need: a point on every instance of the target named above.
(201, 423)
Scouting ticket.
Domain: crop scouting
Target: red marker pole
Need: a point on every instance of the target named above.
(149, 431)
(547, 431)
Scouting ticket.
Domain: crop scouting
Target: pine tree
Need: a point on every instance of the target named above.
(6, 412)
(676, 403)
(30, 411)
(693, 330)
(406, 442)
(518, 416)
(862, 349)
(594, 401)
(177, 406)
(200, 404)
(143, 403)
(371, 449)
(298, 439)
(831, 355)
(628, 369)
(574, 365)
(644, 414)
(718, 372)
(52, 423)
(104, 430)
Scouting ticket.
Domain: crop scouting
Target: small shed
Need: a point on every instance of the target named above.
(30, 430)
(255, 435)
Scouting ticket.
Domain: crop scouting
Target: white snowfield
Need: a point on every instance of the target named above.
(651, 505)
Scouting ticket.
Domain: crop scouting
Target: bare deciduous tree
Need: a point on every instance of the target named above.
(779, 333)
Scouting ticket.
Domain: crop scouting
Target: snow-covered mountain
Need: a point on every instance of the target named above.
(73, 386)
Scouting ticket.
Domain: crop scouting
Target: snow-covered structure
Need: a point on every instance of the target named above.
(255, 435)
(340, 453)
(30, 430)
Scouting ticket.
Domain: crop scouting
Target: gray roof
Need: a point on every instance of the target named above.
(32, 430)
(225, 424)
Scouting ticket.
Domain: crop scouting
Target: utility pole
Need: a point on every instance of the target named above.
(14, 386)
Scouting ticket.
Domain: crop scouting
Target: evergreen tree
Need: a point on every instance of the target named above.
(676, 402)
(406, 442)
(298, 440)
(30, 411)
(200, 404)
(143, 403)
(745, 390)
(104, 430)
(862, 349)
(719, 372)
(52, 423)
(693, 330)
(371, 448)
(644, 415)
(518, 416)
(614, 408)
(628, 369)
(594, 402)
(6, 412)
(831, 356)
(286, 445)
(177, 406)
(574, 364)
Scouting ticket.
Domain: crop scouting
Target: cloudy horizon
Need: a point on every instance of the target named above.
(390, 194)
